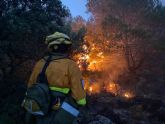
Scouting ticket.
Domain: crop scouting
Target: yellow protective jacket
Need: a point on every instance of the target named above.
(64, 76)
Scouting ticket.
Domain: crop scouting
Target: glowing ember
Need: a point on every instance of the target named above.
(90, 89)
(84, 47)
(112, 88)
(94, 88)
(128, 95)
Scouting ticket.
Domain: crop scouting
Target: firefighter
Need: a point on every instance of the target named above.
(64, 79)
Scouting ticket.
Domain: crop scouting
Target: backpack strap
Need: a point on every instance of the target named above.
(42, 76)
(46, 64)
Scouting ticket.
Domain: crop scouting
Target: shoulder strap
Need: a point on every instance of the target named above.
(46, 65)
(42, 77)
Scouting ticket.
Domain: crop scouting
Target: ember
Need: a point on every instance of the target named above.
(93, 88)
(128, 95)
(113, 88)
(90, 89)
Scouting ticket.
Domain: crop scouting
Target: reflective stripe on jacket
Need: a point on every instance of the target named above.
(63, 76)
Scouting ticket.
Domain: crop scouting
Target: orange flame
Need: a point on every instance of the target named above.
(112, 88)
(128, 95)
(94, 88)
(94, 58)
(90, 89)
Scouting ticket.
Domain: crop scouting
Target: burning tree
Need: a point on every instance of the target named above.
(115, 44)
(101, 63)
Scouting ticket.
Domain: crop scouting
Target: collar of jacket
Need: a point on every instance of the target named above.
(56, 56)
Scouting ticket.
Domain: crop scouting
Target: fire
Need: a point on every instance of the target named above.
(94, 88)
(92, 58)
(100, 55)
(101, 67)
(85, 47)
(128, 95)
(112, 88)
(90, 89)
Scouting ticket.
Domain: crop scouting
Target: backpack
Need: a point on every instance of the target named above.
(37, 99)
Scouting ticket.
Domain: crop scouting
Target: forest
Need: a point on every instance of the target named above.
(120, 51)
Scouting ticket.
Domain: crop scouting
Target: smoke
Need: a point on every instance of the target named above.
(113, 67)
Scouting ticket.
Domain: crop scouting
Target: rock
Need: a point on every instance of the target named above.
(148, 104)
(123, 114)
(137, 110)
(99, 119)
(108, 112)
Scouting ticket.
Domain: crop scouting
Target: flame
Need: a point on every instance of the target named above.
(112, 88)
(94, 57)
(90, 89)
(94, 88)
(85, 47)
(128, 95)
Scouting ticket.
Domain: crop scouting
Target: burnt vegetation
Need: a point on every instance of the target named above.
(120, 50)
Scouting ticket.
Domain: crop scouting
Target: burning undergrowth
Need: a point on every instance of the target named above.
(102, 68)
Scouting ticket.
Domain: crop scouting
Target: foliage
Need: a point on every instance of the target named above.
(78, 31)
(134, 29)
(24, 25)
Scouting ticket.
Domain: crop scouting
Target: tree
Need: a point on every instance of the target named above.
(125, 24)
(134, 29)
(78, 25)
(24, 25)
